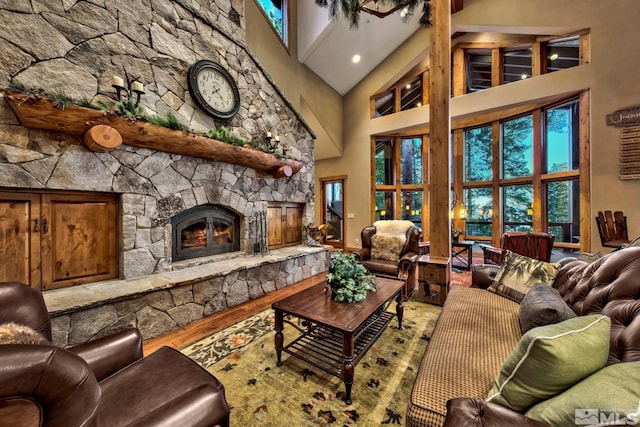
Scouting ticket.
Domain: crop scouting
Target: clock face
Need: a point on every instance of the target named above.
(213, 89)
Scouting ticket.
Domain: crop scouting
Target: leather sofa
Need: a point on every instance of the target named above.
(477, 330)
(104, 382)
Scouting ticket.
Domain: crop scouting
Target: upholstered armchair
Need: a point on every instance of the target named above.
(391, 249)
(533, 245)
(104, 382)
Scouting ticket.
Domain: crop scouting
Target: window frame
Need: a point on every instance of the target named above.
(539, 179)
(397, 188)
(538, 46)
(284, 38)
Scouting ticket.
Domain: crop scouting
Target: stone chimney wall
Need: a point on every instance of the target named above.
(76, 47)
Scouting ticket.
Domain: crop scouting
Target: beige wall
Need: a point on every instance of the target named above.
(318, 103)
(612, 78)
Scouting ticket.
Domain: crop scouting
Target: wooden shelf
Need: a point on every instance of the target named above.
(39, 113)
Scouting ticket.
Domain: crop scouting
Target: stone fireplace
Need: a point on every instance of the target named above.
(162, 282)
(204, 230)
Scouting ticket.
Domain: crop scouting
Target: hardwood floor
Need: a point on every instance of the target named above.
(192, 332)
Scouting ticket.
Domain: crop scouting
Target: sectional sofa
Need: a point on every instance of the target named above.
(478, 330)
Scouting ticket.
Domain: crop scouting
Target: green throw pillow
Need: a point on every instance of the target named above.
(550, 359)
(518, 274)
(610, 395)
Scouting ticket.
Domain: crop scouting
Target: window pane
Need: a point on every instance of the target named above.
(276, 13)
(517, 65)
(411, 161)
(385, 204)
(384, 104)
(411, 94)
(478, 207)
(563, 210)
(477, 154)
(563, 53)
(384, 162)
(478, 65)
(517, 147)
(517, 208)
(562, 138)
(412, 207)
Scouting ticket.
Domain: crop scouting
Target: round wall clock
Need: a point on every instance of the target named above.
(213, 89)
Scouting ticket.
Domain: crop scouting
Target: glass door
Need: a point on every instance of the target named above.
(333, 210)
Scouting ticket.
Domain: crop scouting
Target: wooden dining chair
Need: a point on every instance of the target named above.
(612, 228)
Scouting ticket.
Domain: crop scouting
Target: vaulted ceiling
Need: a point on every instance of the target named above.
(327, 45)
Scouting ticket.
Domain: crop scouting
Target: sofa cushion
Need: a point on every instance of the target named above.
(474, 335)
(385, 247)
(518, 274)
(610, 392)
(543, 305)
(550, 359)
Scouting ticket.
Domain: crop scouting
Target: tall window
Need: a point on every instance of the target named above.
(561, 148)
(537, 187)
(277, 14)
(398, 179)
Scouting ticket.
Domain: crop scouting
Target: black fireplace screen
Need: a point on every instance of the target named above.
(204, 230)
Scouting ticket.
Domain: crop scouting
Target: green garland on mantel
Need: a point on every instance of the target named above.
(351, 9)
(126, 108)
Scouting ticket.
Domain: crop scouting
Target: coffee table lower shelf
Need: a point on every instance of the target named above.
(322, 346)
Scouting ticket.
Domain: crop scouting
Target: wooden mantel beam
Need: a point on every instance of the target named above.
(39, 113)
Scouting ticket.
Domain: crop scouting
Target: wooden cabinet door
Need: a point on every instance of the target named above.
(79, 239)
(284, 225)
(274, 227)
(20, 238)
(293, 227)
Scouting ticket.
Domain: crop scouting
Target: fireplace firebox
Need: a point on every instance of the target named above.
(203, 231)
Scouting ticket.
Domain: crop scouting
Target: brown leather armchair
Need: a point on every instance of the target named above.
(403, 269)
(104, 382)
(533, 245)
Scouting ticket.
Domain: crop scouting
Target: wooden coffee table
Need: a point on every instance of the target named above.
(335, 335)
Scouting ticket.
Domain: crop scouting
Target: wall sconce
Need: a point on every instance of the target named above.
(530, 210)
(272, 141)
(457, 209)
(133, 86)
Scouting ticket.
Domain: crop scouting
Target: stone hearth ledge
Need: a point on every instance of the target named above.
(72, 299)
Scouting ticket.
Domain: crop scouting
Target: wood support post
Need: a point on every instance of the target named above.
(440, 127)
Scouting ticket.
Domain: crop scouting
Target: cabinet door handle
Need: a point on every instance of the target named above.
(45, 228)
(35, 226)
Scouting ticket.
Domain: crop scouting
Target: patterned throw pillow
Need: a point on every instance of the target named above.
(518, 274)
(383, 247)
(550, 359)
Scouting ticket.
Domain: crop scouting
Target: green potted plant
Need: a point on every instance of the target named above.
(348, 280)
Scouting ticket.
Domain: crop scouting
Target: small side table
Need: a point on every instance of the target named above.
(434, 275)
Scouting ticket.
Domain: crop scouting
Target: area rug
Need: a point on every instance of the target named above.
(260, 393)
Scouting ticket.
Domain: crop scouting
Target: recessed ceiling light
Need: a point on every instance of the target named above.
(553, 56)
(408, 86)
(356, 58)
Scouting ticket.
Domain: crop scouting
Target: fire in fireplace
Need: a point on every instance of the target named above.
(204, 230)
